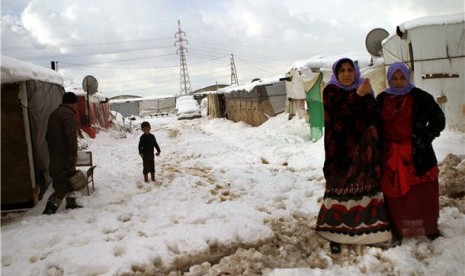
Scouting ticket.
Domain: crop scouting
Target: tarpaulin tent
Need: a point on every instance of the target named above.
(254, 102)
(139, 106)
(126, 107)
(295, 92)
(153, 105)
(29, 94)
(434, 49)
(304, 89)
(99, 111)
(93, 110)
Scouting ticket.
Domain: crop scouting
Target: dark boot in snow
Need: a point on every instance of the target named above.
(71, 203)
(152, 176)
(50, 208)
(434, 236)
(146, 178)
(335, 247)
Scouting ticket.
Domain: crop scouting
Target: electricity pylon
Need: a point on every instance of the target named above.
(184, 81)
(233, 71)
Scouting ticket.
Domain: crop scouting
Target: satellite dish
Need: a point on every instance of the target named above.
(90, 85)
(373, 41)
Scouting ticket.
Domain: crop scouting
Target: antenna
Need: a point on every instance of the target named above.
(184, 81)
(373, 41)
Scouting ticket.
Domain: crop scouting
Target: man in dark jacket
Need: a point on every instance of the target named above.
(62, 144)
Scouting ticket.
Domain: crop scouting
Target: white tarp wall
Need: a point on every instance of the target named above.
(437, 46)
(143, 106)
(149, 106)
(126, 108)
(277, 95)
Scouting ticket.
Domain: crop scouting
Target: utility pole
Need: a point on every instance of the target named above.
(54, 65)
(233, 71)
(184, 81)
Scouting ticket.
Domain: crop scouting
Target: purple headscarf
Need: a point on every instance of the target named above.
(404, 69)
(358, 80)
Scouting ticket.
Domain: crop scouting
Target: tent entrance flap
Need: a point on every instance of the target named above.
(18, 185)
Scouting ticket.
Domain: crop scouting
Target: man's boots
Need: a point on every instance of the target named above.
(50, 208)
(152, 175)
(146, 178)
(71, 203)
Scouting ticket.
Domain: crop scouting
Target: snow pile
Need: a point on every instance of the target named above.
(452, 182)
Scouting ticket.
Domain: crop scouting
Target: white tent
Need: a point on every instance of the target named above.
(157, 105)
(143, 106)
(434, 49)
(29, 94)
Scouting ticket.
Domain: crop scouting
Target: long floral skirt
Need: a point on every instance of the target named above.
(354, 219)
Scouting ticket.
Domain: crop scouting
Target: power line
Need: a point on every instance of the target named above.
(77, 45)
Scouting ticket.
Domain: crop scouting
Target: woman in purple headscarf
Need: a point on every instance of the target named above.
(410, 120)
(353, 210)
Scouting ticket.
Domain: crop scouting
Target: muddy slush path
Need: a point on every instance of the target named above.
(295, 243)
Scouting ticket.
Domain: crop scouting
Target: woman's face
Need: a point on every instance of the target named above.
(346, 74)
(398, 79)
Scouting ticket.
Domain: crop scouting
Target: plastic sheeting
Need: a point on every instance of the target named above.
(151, 106)
(315, 108)
(40, 99)
(43, 99)
(255, 106)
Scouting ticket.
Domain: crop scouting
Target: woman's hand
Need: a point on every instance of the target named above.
(364, 88)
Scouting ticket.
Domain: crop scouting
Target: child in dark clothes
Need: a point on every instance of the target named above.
(147, 143)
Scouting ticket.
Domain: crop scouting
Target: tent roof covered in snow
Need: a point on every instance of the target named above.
(326, 61)
(250, 85)
(29, 95)
(14, 70)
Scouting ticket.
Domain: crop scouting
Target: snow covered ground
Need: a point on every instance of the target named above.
(229, 199)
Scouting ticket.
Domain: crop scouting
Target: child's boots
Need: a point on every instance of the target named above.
(146, 178)
(152, 176)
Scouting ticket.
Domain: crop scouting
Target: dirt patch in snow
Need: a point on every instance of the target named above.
(452, 182)
(294, 245)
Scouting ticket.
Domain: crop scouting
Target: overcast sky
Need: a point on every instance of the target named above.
(129, 45)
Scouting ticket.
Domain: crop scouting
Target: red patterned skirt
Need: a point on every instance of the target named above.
(354, 219)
